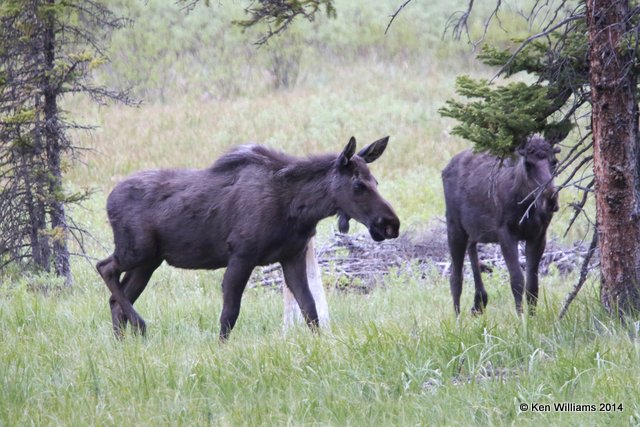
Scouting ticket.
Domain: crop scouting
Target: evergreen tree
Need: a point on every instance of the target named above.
(47, 50)
(276, 15)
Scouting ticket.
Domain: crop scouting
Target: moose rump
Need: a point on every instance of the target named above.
(489, 200)
(254, 206)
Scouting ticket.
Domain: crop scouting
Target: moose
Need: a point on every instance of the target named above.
(489, 200)
(253, 206)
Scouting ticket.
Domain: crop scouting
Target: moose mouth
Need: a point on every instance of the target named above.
(376, 235)
(380, 233)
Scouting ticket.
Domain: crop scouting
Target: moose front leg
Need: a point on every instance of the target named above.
(292, 311)
(457, 239)
(481, 298)
(509, 246)
(295, 277)
(233, 284)
(534, 251)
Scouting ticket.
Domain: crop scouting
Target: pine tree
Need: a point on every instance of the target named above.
(47, 50)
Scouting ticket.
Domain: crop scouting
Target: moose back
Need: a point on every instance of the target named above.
(254, 206)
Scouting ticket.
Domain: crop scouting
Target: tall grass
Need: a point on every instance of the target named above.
(396, 356)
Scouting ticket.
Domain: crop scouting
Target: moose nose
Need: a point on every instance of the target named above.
(390, 227)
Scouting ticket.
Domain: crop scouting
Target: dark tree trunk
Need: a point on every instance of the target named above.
(54, 150)
(33, 175)
(40, 250)
(615, 143)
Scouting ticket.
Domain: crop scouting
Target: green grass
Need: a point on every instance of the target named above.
(395, 356)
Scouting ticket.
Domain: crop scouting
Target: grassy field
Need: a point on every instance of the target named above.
(395, 356)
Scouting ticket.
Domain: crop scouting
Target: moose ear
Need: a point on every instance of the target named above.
(348, 152)
(374, 150)
(556, 149)
(521, 150)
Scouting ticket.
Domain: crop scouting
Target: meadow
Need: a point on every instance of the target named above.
(394, 356)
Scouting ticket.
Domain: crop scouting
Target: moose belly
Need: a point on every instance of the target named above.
(284, 247)
(481, 229)
(194, 254)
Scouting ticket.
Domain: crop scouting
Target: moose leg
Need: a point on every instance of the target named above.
(233, 284)
(133, 283)
(534, 251)
(509, 246)
(457, 247)
(118, 319)
(481, 298)
(110, 272)
(295, 276)
(292, 311)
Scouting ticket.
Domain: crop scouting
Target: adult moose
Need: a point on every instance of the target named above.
(489, 200)
(254, 206)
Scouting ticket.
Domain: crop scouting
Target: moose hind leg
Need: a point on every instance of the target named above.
(133, 283)
(110, 272)
(481, 298)
(118, 318)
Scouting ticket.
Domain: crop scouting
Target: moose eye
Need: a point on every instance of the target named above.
(358, 186)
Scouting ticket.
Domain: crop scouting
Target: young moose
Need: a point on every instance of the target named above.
(253, 207)
(492, 202)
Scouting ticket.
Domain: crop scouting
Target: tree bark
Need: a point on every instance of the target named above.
(614, 120)
(32, 169)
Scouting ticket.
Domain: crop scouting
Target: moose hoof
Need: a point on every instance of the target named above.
(118, 328)
(118, 319)
(117, 315)
(138, 326)
(477, 311)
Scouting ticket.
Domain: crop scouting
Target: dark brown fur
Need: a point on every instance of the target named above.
(492, 202)
(254, 206)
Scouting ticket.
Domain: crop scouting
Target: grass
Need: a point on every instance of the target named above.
(396, 356)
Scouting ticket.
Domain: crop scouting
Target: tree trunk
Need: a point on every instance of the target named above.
(53, 138)
(33, 173)
(614, 122)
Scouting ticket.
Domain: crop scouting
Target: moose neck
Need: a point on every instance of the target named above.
(310, 199)
(523, 184)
